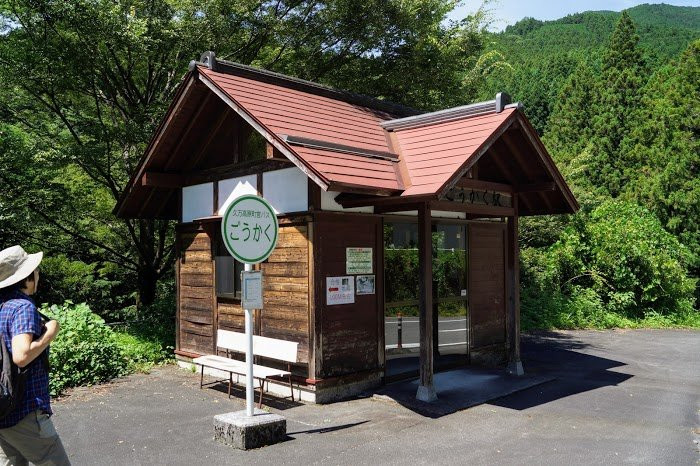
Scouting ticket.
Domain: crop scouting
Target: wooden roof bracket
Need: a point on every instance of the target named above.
(475, 158)
(277, 143)
(182, 92)
(528, 130)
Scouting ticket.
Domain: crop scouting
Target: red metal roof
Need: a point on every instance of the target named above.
(288, 111)
(434, 153)
(351, 169)
(341, 140)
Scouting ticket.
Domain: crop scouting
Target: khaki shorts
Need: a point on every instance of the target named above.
(33, 439)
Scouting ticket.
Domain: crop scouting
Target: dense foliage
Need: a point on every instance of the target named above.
(83, 85)
(610, 268)
(624, 126)
(87, 351)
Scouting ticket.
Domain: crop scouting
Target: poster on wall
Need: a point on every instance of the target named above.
(340, 290)
(358, 260)
(365, 284)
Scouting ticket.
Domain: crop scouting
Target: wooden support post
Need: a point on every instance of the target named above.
(426, 390)
(515, 366)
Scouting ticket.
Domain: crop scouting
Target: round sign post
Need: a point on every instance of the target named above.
(249, 229)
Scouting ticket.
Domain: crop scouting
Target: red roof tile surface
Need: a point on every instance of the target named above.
(343, 139)
(434, 153)
(288, 111)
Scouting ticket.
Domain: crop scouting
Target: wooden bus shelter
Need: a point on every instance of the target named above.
(349, 177)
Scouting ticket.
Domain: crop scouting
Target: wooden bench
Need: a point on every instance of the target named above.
(271, 348)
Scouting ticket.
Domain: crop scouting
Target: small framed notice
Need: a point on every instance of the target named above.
(251, 290)
(340, 290)
(365, 284)
(358, 260)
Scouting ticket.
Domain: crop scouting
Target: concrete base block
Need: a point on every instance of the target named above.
(515, 368)
(426, 393)
(240, 431)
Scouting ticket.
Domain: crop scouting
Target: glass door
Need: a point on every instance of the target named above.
(401, 275)
(450, 281)
(401, 332)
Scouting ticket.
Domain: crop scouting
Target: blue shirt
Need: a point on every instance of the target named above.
(18, 315)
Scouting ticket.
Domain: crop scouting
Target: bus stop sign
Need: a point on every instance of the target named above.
(249, 229)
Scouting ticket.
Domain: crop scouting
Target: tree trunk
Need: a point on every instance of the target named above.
(147, 281)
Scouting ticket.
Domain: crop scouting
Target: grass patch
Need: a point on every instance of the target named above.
(142, 351)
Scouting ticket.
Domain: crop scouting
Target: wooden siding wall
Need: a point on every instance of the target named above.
(195, 293)
(487, 304)
(286, 287)
(350, 335)
(286, 280)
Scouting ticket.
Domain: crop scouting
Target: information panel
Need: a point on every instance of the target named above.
(358, 260)
(251, 290)
(340, 290)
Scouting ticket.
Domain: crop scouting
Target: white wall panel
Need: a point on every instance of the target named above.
(197, 201)
(286, 190)
(235, 187)
(328, 203)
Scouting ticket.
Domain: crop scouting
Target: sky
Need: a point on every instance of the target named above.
(507, 12)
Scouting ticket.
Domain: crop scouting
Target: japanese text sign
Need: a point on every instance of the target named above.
(249, 229)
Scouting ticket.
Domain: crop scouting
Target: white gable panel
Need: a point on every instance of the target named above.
(235, 187)
(197, 201)
(286, 190)
(328, 203)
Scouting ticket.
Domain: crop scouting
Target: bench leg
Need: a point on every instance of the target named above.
(201, 379)
(262, 386)
(230, 379)
(291, 388)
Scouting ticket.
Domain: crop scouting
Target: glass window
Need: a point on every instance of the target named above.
(228, 272)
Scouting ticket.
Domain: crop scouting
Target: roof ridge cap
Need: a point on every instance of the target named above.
(209, 60)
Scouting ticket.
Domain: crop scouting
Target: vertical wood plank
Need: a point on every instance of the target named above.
(214, 301)
(513, 292)
(379, 290)
(426, 391)
(318, 292)
(314, 194)
(177, 290)
(312, 303)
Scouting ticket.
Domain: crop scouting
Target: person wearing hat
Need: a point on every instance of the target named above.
(27, 433)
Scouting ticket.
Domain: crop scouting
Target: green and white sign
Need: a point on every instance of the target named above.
(358, 260)
(249, 229)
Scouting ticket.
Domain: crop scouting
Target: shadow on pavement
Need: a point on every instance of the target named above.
(575, 372)
(323, 430)
(271, 400)
(554, 370)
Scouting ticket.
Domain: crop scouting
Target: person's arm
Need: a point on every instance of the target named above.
(24, 350)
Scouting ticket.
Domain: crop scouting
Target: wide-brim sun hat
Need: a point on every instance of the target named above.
(16, 265)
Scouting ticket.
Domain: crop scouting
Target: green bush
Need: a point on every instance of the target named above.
(85, 352)
(616, 267)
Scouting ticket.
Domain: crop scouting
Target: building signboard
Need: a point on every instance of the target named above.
(340, 290)
(358, 260)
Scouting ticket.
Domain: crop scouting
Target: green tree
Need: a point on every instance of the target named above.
(88, 81)
(665, 146)
(617, 98)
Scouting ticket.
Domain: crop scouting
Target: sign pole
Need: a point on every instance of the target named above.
(249, 392)
(249, 229)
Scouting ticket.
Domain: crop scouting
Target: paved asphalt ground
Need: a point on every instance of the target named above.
(619, 397)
